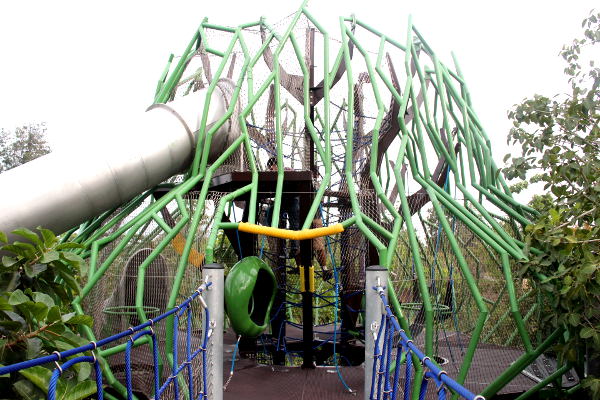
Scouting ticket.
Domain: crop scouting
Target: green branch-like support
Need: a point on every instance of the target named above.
(435, 116)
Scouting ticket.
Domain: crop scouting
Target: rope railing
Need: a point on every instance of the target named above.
(62, 360)
(392, 349)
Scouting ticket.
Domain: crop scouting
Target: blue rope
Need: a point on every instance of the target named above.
(101, 343)
(407, 374)
(382, 363)
(396, 372)
(423, 390)
(336, 306)
(388, 356)
(235, 350)
(173, 377)
(207, 330)
(377, 358)
(383, 356)
(60, 369)
(134, 334)
(188, 350)
(128, 347)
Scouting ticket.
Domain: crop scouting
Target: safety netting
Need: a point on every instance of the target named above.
(186, 375)
(395, 356)
(132, 277)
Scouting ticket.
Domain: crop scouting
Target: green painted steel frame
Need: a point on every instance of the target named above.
(483, 175)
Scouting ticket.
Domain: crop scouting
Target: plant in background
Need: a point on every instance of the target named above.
(560, 139)
(21, 145)
(39, 277)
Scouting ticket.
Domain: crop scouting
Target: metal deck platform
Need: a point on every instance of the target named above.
(263, 382)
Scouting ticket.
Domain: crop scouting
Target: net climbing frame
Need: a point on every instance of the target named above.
(359, 129)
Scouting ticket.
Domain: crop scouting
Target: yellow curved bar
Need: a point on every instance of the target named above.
(195, 258)
(289, 234)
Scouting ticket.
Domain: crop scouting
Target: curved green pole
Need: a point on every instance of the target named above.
(348, 167)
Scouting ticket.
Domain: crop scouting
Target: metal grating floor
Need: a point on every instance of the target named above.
(251, 381)
(264, 382)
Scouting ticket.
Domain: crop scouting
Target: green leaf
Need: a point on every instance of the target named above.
(17, 297)
(81, 391)
(27, 390)
(9, 261)
(62, 345)
(587, 332)
(74, 339)
(29, 235)
(43, 298)
(39, 376)
(34, 347)
(27, 248)
(571, 239)
(12, 325)
(57, 328)
(589, 270)
(14, 249)
(71, 258)
(574, 319)
(49, 256)
(34, 270)
(3, 237)
(81, 320)
(68, 278)
(53, 314)
(14, 317)
(48, 235)
(39, 311)
(4, 305)
(554, 215)
(83, 370)
(67, 317)
(83, 269)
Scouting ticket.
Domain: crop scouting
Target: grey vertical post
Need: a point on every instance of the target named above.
(214, 296)
(376, 275)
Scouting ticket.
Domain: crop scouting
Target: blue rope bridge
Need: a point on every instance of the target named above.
(134, 333)
(393, 348)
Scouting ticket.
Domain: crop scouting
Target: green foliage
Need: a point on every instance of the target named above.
(38, 281)
(560, 139)
(542, 202)
(25, 143)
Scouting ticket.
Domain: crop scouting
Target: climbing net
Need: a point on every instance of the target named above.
(387, 131)
(393, 349)
(187, 375)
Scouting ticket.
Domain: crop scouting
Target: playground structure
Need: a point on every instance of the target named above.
(297, 172)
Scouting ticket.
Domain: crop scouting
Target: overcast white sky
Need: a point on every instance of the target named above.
(86, 67)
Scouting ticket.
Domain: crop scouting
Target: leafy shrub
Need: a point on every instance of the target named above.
(38, 280)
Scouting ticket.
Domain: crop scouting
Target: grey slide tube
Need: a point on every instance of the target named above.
(61, 190)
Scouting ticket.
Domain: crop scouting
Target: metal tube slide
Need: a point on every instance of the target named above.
(64, 189)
